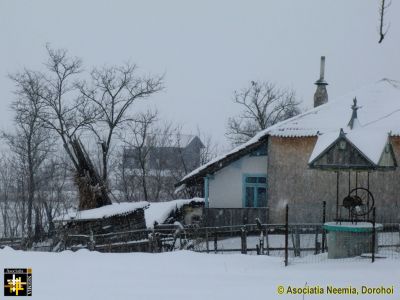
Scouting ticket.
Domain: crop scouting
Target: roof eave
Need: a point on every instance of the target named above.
(220, 164)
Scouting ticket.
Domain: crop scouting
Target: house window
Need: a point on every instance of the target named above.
(255, 191)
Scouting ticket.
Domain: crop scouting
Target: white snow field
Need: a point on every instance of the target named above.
(86, 275)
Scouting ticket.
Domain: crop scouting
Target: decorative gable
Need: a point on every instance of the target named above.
(342, 153)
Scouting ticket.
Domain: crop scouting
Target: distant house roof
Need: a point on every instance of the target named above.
(107, 211)
(184, 140)
(166, 153)
(177, 140)
(379, 117)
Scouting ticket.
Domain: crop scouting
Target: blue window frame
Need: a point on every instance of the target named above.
(254, 190)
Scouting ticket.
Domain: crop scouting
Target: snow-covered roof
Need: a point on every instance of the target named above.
(361, 138)
(378, 116)
(159, 211)
(106, 211)
(380, 110)
(154, 211)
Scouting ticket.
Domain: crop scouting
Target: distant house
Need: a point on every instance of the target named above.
(293, 161)
(175, 152)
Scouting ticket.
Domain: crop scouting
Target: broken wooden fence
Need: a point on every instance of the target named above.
(262, 239)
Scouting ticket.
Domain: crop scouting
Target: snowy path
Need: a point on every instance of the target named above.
(187, 275)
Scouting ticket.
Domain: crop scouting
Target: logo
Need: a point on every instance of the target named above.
(17, 282)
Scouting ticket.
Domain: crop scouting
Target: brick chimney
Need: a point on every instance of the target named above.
(321, 95)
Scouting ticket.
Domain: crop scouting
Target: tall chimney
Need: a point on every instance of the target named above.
(321, 95)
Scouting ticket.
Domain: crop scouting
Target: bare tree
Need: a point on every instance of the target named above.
(7, 186)
(113, 91)
(66, 113)
(156, 156)
(383, 28)
(159, 180)
(52, 192)
(207, 153)
(143, 171)
(138, 140)
(211, 147)
(31, 142)
(19, 195)
(263, 105)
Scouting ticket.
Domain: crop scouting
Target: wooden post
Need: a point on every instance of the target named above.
(150, 243)
(244, 240)
(260, 246)
(262, 242)
(286, 235)
(91, 240)
(317, 244)
(293, 243)
(207, 244)
(298, 246)
(337, 195)
(399, 231)
(323, 222)
(159, 245)
(368, 196)
(215, 241)
(373, 234)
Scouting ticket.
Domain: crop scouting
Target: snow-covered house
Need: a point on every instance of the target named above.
(166, 153)
(280, 164)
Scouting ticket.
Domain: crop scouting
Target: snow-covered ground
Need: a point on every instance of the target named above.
(188, 275)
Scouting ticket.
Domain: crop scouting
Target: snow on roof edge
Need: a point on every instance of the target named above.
(160, 211)
(252, 141)
(106, 211)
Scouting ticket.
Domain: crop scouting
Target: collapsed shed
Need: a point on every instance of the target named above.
(77, 228)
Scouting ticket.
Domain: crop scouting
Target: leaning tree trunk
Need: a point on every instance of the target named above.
(91, 188)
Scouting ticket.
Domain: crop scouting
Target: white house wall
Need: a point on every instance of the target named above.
(225, 187)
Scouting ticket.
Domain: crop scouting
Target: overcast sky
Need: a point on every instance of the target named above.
(207, 49)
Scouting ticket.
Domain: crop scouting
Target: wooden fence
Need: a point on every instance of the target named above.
(202, 239)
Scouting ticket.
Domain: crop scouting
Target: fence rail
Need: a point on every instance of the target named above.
(290, 241)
